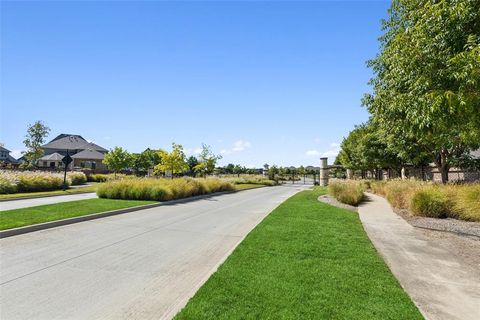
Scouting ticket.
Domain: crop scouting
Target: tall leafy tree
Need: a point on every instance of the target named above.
(117, 160)
(192, 162)
(141, 162)
(34, 139)
(426, 85)
(207, 161)
(173, 162)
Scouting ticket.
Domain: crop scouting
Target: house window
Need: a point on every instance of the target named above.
(44, 163)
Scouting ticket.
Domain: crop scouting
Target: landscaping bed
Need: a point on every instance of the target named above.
(305, 260)
(12, 182)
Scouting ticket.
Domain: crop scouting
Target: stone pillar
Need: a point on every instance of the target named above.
(349, 174)
(323, 172)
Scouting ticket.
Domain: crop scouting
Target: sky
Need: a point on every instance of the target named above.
(273, 82)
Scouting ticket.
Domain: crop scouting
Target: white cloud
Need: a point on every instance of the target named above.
(193, 151)
(241, 145)
(238, 146)
(312, 153)
(16, 153)
(330, 153)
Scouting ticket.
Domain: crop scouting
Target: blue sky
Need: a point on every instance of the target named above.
(276, 82)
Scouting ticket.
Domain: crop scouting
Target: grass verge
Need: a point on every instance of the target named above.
(92, 188)
(27, 216)
(306, 260)
(245, 186)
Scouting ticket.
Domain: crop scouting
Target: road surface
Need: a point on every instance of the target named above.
(140, 265)
(25, 203)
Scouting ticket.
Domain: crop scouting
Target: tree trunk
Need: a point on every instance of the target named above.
(443, 166)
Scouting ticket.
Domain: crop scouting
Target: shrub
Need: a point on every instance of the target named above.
(347, 191)
(77, 178)
(430, 202)
(161, 189)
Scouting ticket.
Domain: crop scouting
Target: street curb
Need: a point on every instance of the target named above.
(44, 196)
(52, 224)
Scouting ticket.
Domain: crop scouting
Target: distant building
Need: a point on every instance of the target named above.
(85, 155)
(6, 158)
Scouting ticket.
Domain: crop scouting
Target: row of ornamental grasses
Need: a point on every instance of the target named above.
(347, 191)
(459, 201)
(35, 181)
(161, 189)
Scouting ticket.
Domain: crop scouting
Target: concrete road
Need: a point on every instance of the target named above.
(437, 280)
(140, 265)
(25, 203)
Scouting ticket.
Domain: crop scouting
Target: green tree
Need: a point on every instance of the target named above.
(141, 162)
(35, 138)
(302, 172)
(238, 169)
(426, 85)
(272, 172)
(173, 162)
(117, 160)
(207, 161)
(192, 162)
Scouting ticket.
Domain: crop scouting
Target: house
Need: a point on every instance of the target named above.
(6, 158)
(85, 155)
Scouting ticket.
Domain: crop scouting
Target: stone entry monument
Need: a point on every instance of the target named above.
(324, 172)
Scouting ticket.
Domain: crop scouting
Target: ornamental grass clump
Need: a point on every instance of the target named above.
(161, 189)
(76, 178)
(400, 192)
(430, 201)
(466, 201)
(347, 191)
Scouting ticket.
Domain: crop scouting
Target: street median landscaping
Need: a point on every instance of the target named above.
(305, 260)
(161, 189)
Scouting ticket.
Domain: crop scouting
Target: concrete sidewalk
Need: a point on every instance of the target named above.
(437, 280)
(26, 203)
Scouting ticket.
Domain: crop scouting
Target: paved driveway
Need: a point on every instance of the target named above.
(141, 265)
(25, 203)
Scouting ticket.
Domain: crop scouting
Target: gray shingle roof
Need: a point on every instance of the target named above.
(89, 154)
(71, 142)
(52, 157)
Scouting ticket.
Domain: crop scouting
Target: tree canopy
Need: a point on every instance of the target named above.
(34, 139)
(426, 84)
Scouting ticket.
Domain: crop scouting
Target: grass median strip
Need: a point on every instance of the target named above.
(306, 260)
(27, 216)
(10, 196)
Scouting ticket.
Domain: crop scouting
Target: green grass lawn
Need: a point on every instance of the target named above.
(91, 188)
(306, 260)
(244, 186)
(50, 212)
